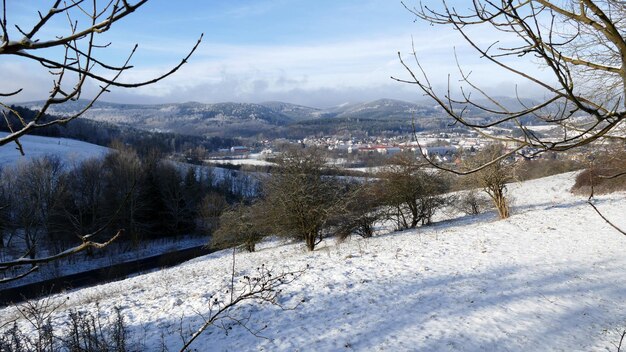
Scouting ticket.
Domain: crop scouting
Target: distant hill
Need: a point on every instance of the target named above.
(296, 112)
(186, 118)
(379, 117)
(279, 119)
(104, 133)
(386, 109)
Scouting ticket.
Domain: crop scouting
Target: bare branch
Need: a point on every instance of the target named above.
(606, 219)
(79, 57)
(265, 287)
(565, 40)
(83, 246)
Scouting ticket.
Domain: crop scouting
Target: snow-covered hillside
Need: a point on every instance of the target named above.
(69, 150)
(550, 278)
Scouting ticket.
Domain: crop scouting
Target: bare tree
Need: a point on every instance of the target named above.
(362, 209)
(33, 192)
(300, 199)
(123, 171)
(79, 61)
(178, 206)
(580, 43)
(581, 46)
(492, 178)
(412, 193)
(210, 209)
(241, 226)
(85, 210)
(72, 58)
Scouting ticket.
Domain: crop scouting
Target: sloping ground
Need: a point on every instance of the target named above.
(69, 150)
(550, 278)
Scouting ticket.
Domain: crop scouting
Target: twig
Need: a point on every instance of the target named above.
(621, 340)
(263, 288)
(605, 219)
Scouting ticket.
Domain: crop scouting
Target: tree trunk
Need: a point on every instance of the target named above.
(414, 214)
(501, 204)
(310, 241)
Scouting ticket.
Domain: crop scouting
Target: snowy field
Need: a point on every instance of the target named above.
(550, 278)
(251, 162)
(69, 150)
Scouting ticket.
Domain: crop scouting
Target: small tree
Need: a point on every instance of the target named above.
(241, 226)
(299, 199)
(493, 177)
(412, 193)
(361, 211)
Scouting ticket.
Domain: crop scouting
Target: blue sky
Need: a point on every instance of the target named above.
(316, 53)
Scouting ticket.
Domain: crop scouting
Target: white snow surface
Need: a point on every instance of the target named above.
(549, 278)
(247, 161)
(69, 150)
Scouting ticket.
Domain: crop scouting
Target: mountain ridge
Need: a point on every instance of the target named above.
(271, 118)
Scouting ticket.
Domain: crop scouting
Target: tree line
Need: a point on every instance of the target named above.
(301, 201)
(47, 204)
(306, 199)
(104, 134)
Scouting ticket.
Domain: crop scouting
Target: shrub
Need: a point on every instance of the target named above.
(472, 203)
(606, 173)
(411, 194)
(492, 176)
(241, 226)
(83, 331)
(548, 165)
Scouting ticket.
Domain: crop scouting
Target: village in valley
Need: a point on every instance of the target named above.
(442, 148)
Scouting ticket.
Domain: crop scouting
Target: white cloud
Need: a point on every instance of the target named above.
(34, 81)
(324, 73)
